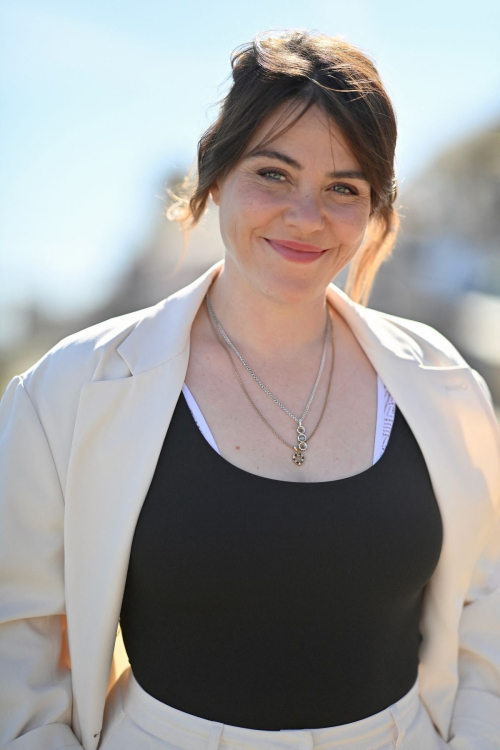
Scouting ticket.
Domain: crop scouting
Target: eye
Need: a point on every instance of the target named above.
(344, 190)
(265, 172)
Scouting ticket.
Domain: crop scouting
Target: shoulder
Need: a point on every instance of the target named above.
(100, 351)
(428, 345)
(431, 347)
(402, 337)
(55, 382)
(87, 354)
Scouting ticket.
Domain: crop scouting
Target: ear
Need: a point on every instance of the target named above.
(215, 193)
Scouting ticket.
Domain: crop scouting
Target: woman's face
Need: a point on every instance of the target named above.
(309, 189)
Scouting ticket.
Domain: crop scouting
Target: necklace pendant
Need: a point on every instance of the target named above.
(298, 457)
(301, 430)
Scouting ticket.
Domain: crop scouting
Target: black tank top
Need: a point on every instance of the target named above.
(270, 604)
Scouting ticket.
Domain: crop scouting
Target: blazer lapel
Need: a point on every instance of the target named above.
(119, 432)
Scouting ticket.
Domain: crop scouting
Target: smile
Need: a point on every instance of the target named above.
(299, 256)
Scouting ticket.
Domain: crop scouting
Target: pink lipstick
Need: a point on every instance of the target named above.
(290, 251)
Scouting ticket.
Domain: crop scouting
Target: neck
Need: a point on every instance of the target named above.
(264, 326)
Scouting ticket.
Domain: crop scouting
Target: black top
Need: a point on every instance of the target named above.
(269, 604)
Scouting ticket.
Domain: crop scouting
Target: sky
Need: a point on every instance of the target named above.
(100, 99)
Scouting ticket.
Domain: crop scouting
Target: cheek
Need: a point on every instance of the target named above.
(254, 206)
(350, 223)
(242, 214)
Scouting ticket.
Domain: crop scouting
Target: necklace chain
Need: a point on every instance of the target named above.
(298, 456)
(254, 376)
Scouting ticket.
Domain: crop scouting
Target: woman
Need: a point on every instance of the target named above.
(317, 563)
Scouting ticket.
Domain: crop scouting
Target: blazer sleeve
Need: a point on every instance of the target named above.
(484, 387)
(35, 677)
(475, 723)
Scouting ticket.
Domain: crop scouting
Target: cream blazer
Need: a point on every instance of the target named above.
(80, 436)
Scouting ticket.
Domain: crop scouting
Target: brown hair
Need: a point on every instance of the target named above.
(296, 66)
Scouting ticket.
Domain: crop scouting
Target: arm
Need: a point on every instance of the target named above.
(475, 723)
(35, 679)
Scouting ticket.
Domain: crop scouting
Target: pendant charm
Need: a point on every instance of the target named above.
(302, 436)
(298, 457)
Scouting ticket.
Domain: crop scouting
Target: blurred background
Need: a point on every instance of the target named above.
(103, 104)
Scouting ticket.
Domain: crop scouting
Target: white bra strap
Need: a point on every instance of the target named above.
(199, 418)
(386, 409)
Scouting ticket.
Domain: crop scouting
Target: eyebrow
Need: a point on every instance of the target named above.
(352, 174)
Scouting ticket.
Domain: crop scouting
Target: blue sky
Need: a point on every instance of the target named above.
(100, 99)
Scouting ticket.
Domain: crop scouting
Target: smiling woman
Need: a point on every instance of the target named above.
(320, 194)
(278, 80)
(287, 500)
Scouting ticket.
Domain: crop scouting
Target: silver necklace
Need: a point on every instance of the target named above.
(298, 457)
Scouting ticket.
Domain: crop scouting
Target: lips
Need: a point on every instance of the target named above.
(289, 252)
(303, 246)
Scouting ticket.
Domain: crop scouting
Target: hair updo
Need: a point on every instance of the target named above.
(298, 67)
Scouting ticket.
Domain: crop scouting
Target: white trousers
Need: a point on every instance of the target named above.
(134, 720)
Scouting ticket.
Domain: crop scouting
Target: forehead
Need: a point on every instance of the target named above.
(313, 131)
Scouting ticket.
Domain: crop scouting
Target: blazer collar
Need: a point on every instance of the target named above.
(163, 332)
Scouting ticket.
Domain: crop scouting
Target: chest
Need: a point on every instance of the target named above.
(339, 425)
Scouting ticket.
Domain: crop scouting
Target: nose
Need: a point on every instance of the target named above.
(305, 212)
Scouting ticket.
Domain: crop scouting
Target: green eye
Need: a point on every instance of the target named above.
(349, 191)
(271, 171)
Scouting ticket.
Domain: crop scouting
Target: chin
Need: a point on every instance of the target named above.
(290, 289)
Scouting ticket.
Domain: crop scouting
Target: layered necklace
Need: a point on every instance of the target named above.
(298, 456)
